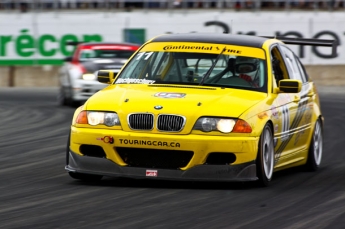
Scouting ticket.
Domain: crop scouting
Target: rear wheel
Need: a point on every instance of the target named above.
(265, 157)
(315, 149)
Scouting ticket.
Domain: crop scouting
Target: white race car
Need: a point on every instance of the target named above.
(78, 76)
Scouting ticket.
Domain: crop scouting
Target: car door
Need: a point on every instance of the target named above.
(301, 125)
(285, 107)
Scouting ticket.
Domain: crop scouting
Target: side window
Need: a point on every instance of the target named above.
(278, 66)
(302, 70)
(290, 60)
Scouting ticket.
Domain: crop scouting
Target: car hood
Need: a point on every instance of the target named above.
(180, 100)
(98, 64)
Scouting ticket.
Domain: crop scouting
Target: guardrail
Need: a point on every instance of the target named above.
(127, 5)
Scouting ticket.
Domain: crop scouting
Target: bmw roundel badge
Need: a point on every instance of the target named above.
(158, 107)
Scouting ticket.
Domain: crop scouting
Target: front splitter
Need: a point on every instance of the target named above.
(105, 167)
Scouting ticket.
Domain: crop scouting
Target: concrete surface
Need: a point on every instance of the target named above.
(47, 76)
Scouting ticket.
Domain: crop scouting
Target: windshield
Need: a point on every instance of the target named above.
(189, 68)
(88, 54)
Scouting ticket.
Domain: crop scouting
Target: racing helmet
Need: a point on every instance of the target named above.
(247, 66)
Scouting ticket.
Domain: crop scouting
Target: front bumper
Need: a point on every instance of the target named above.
(243, 168)
(105, 167)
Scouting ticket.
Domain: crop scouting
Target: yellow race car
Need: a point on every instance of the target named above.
(201, 107)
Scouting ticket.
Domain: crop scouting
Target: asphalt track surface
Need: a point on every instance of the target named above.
(36, 192)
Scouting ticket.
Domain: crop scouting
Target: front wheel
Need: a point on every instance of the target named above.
(315, 149)
(265, 157)
(62, 100)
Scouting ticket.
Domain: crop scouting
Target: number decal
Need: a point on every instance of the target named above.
(147, 54)
(140, 55)
(285, 122)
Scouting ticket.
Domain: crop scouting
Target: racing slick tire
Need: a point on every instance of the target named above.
(265, 157)
(315, 149)
(61, 98)
(64, 100)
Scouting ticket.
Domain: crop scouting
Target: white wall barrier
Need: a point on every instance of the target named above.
(39, 38)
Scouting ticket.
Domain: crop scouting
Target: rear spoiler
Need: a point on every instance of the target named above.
(307, 41)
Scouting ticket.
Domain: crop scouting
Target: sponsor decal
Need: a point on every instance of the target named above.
(197, 47)
(189, 47)
(149, 143)
(134, 81)
(151, 173)
(106, 139)
(276, 128)
(200, 47)
(169, 95)
(275, 112)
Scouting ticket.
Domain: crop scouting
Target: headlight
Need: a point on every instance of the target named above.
(224, 125)
(88, 76)
(95, 118)
(208, 124)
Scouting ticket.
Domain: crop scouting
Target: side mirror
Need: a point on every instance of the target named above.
(290, 86)
(68, 59)
(105, 76)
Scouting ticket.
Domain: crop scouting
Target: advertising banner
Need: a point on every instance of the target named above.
(40, 38)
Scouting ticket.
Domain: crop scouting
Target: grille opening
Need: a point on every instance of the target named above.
(172, 123)
(154, 158)
(92, 151)
(220, 159)
(140, 121)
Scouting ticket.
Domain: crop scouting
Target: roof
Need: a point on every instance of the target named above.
(108, 43)
(218, 38)
(109, 46)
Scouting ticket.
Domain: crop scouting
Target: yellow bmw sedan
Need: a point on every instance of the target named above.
(201, 107)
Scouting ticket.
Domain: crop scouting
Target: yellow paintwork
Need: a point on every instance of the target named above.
(256, 108)
(244, 147)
